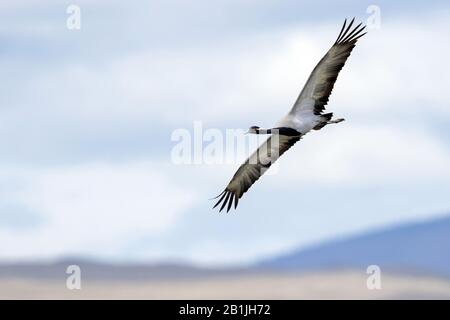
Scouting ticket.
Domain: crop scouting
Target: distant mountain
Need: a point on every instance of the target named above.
(416, 248)
(94, 270)
(421, 247)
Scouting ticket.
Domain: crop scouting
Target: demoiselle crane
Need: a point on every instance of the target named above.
(307, 114)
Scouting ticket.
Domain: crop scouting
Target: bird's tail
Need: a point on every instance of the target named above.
(325, 118)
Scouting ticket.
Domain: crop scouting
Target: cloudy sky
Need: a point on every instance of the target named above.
(87, 117)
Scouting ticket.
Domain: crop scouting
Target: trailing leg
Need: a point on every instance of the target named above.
(336, 121)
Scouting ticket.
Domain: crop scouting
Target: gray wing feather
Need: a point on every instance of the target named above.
(317, 89)
(253, 168)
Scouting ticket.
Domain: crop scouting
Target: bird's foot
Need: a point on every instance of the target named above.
(336, 121)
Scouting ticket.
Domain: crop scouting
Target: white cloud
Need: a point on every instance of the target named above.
(349, 155)
(92, 209)
(255, 77)
(262, 76)
(398, 71)
(392, 82)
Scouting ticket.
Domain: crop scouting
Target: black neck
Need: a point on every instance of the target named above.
(285, 131)
(263, 131)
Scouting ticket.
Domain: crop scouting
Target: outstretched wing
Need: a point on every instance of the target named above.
(317, 89)
(254, 167)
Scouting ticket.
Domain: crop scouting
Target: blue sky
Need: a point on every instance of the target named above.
(86, 118)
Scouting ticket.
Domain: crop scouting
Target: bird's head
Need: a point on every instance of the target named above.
(253, 129)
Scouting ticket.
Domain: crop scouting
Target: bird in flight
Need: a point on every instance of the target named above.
(307, 114)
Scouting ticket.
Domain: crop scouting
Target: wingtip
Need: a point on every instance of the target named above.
(227, 196)
(226, 200)
(222, 195)
(230, 202)
(217, 196)
(349, 34)
(342, 30)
